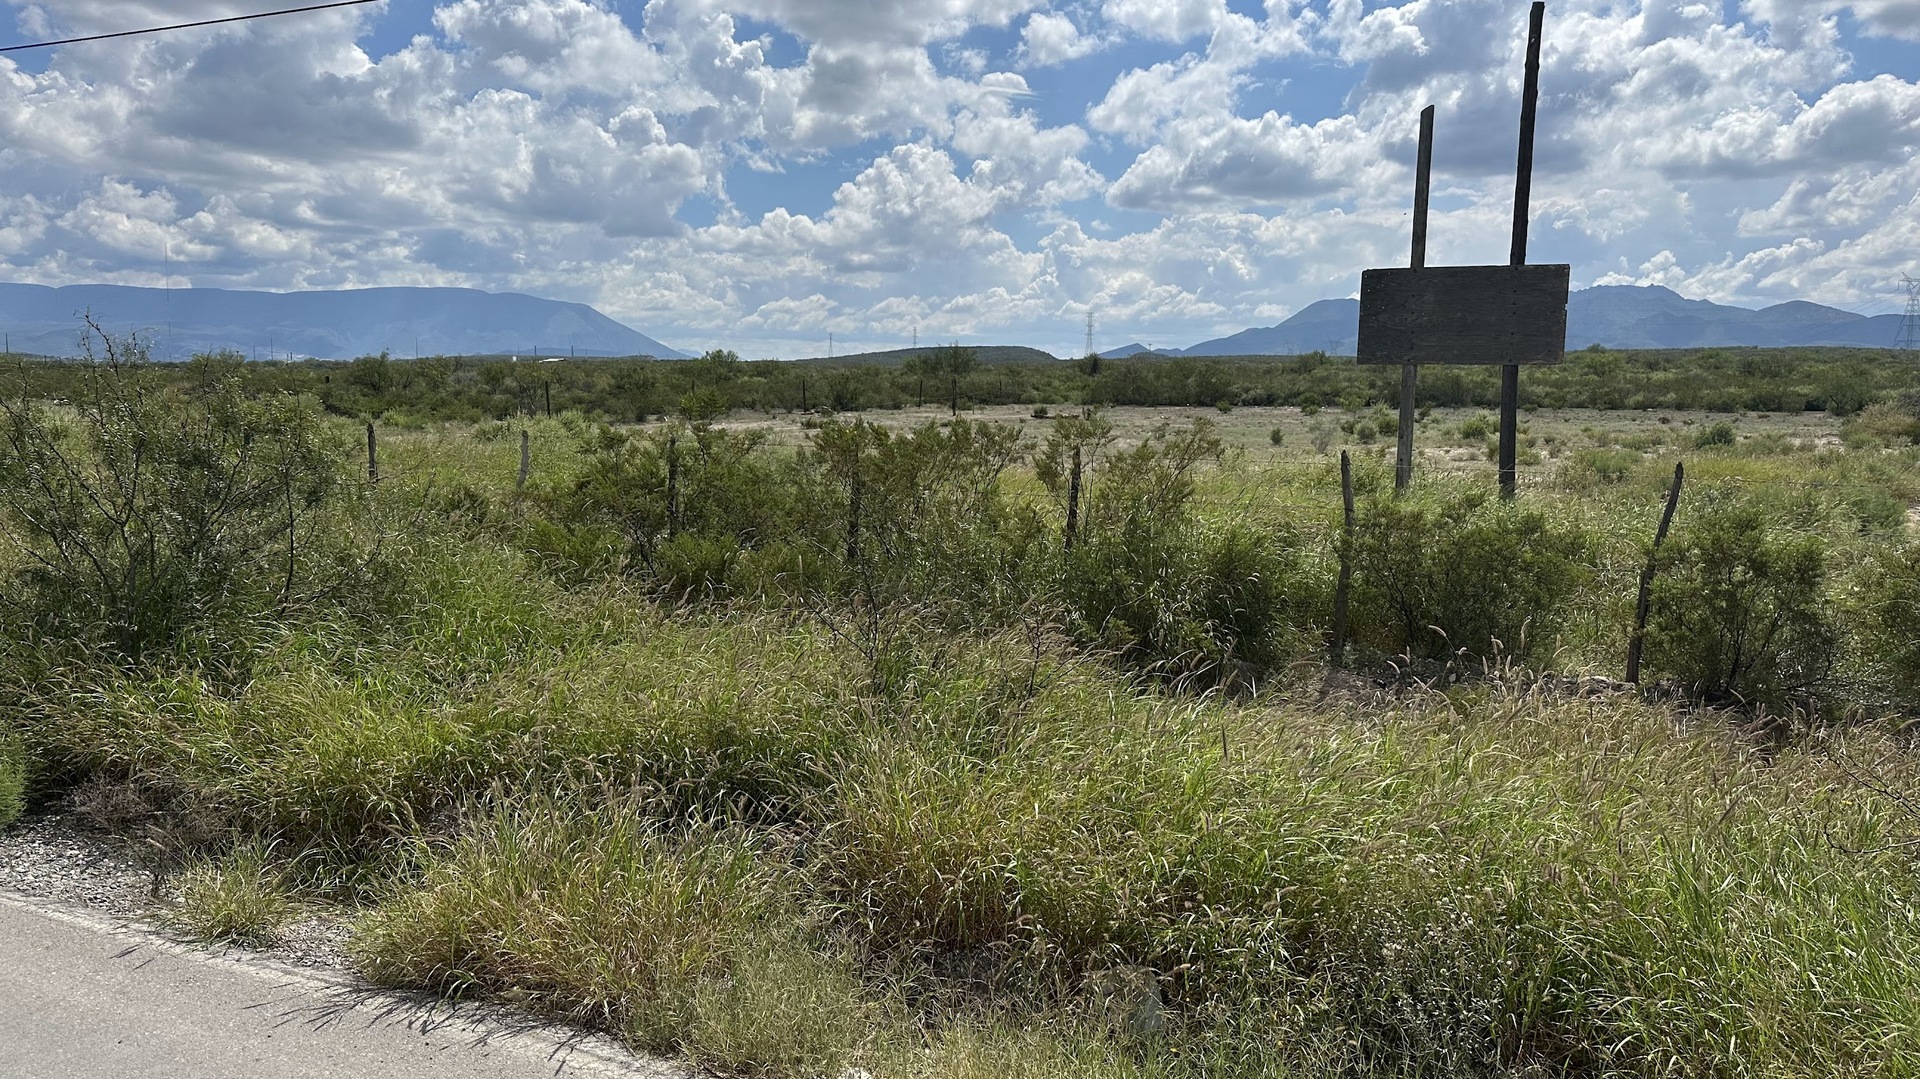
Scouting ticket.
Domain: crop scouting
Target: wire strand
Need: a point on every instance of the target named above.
(185, 25)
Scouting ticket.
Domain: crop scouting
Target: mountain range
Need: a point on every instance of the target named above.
(1617, 316)
(457, 321)
(323, 324)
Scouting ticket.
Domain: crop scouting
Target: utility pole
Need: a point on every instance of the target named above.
(1910, 322)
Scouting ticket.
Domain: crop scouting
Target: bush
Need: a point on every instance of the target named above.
(1883, 605)
(920, 518)
(677, 505)
(149, 517)
(1884, 423)
(1595, 467)
(1717, 434)
(1738, 613)
(1150, 583)
(1460, 570)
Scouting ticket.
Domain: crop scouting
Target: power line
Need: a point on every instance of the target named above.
(185, 25)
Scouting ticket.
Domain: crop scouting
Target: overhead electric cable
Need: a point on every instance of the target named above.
(185, 25)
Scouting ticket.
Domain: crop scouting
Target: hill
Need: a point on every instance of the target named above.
(1617, 316)
(1136, 349)
(321, 324)
(985, 354)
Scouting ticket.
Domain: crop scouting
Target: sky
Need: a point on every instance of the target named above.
(761, 174)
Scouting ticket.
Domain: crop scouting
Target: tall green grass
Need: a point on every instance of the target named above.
(791, 834)
(13, 778)
(665, 825)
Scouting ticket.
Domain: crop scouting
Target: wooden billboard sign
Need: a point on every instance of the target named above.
(1489, 315)
(1508, 316)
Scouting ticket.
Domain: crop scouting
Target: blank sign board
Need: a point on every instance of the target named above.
(1464, 315)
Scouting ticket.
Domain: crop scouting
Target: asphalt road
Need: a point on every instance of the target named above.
(84, 998)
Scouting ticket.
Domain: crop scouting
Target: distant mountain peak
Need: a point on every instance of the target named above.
(328, 324)
(1617, 316)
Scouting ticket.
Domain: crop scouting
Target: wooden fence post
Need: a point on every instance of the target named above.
(673, 485)
(373, 456)
(526, 463)
(853, 516)
(1644, 605)
(1073, 500)
(1341, 591)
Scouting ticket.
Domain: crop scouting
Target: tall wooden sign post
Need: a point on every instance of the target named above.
(1508, 315)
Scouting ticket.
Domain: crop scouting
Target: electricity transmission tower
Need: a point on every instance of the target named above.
(1089, 351)
(1910, 322)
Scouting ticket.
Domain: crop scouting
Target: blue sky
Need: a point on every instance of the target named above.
(757, 174)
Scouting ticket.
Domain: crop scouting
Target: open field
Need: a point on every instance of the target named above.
(797, 743)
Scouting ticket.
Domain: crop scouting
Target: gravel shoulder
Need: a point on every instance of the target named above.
(90, 986)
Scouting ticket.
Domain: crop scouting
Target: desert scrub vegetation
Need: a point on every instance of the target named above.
(146, 516)
(850, 752)
(1476, 880)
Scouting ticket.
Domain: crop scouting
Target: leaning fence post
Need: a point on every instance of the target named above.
(526, 463)
(1644, 605)
(1340, 592)
(853, 515)
(1410, 373)
(373, 456)
(1073, 501)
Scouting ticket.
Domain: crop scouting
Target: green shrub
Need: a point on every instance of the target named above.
(1738, 612)
(642, 492)
(150, 517)
(1720, 433)
(920, 518)
(1277, 436)
(1595, 467)
(1190, 600)
(1148, 581)
(1883, 626)
(694, 566)
(1460, 570)
(1884, 423)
